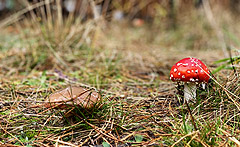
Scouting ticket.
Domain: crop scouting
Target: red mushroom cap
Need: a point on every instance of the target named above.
(189, 70)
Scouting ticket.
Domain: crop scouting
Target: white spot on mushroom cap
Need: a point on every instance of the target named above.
(188, 71)
(179, 73)
(196, 71)
(171, 75)
(191, 79)
(179, 64)
(183, 76)
(175, 70)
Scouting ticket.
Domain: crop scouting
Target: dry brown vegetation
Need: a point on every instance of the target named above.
(129, 65)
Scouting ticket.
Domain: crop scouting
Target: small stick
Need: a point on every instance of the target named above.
(192, 118)
(232, 138)
(11, 135)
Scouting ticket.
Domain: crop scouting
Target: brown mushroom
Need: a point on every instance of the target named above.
(73, 96)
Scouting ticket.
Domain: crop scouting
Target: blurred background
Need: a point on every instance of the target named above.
(144, 36)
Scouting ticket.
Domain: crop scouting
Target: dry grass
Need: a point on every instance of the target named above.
(129, 67)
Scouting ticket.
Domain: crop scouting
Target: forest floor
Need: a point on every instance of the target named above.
(130, 67)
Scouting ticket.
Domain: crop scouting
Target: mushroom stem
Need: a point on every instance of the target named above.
(189, 91)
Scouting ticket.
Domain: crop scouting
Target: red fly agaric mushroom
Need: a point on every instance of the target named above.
(191, 71)
(73, 96)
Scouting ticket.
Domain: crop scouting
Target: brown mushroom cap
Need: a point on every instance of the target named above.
(73, 96)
